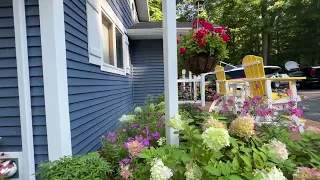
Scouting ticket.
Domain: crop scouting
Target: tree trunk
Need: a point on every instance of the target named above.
(265, 32)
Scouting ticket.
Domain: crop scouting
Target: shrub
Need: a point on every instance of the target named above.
(90, 166)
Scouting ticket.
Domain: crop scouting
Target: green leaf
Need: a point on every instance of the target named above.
(247, 161)
(185, 158)
(144, 156)
(212, 170)
(197, 136)
(234, 177)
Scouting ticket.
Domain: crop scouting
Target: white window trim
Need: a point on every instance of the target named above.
(107, 11)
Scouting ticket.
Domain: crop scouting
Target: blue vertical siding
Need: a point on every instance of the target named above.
(147, 62)
(96, 99)
(10, 129)
(36, 81)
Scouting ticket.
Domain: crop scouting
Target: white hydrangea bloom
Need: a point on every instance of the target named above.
(161, 141)
(176, 122)
(159, 171)
(138, 110)
(274, 174)
(279, 148)
(127, 118)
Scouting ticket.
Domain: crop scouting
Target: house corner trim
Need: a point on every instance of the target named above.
(55, 81)
(27, 165)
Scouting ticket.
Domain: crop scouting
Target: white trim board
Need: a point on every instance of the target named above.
(55, 78)
(153, 33)
(26, 158)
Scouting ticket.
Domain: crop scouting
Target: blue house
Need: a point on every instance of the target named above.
(69, 69)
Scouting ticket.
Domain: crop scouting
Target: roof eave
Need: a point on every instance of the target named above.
(152, 33)
(143, 10)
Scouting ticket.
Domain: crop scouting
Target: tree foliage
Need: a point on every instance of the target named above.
(277, 30)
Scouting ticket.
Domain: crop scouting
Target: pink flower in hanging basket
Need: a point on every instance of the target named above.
(183, 50)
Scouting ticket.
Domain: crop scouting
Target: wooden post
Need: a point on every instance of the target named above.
(170, 66)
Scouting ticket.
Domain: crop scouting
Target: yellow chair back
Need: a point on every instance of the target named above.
(221, 79)
(254, 71)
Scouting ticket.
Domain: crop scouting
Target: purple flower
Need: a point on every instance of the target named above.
(144, 131)
(146, 142)
(256, 99)
(225, 107)
(161, 119)
(126, 160)
(124, 130)
(138, 138)
(284, 106)
(115, 145)
(111, 134)
(130, 139)
(120, 163)
(160, 114)
(261, 112)
(134, 125)
(102, 137)
(125, 145)
(160, 126)
(156, 135)
(296, 111)
(112, 139)
(230, 101)
(305, 97)
(292, 103)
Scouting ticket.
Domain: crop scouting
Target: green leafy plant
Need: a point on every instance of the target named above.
(90, 166)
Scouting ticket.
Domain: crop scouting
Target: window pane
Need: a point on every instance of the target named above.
(107, 41)
(119, 49)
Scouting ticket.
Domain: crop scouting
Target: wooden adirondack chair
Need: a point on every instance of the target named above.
(223, 89)
(259, 85)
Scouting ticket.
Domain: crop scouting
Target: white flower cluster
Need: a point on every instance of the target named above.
(161, 141)
(159, 171)
(176, 122)
(274, 174)
(138, 110)
(127, 118)
(279, 148)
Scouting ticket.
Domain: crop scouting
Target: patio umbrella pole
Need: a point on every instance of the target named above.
(170, 66)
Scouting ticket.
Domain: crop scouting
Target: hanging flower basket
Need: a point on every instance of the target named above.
(202, 48)
(202, 63)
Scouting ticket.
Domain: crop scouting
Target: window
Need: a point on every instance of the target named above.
(119, 49)
(107, 39)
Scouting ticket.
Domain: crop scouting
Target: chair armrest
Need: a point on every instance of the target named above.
(286, 79)
(235, 80)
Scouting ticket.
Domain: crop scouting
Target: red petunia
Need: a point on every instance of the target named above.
(183, 50)
(206, 25)
(201, 42)
(177, 41)
(218, 30)
(201, 33)
(225, 37)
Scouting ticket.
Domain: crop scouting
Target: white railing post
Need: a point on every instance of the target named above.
(202, 90)
(170, 66)
(183, 77)
(194, 88)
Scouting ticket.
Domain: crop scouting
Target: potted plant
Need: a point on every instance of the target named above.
(202, 48)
